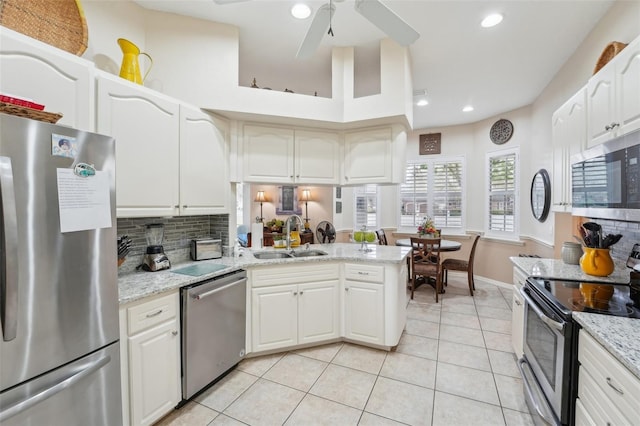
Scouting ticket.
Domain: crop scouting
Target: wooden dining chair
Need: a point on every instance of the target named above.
(425, 262)
(462, 265)
(382, 238)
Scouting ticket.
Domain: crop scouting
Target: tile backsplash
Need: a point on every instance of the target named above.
(178, 232)
(630, 235)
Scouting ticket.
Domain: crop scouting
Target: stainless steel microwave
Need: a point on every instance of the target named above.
(605, 180)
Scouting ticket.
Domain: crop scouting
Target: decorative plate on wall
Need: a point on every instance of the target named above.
(501, 131)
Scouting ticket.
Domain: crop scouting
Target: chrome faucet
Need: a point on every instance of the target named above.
(288, 225)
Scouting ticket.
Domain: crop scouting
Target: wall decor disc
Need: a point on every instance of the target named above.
(501, 131)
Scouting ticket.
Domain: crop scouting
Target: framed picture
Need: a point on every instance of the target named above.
(288, 201)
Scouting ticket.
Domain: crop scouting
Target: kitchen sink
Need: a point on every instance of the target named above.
(309, 253)
(271, 255)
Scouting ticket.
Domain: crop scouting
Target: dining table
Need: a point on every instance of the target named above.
(445, 245)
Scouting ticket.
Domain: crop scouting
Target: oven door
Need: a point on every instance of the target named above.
(545, 355)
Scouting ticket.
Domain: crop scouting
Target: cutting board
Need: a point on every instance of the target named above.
(199, 269)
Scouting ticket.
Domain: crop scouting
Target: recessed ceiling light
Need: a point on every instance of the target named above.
(491, 20)
(300, 11)
(422, 102)
(468, 108)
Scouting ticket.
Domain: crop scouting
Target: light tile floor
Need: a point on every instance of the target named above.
(454, 366)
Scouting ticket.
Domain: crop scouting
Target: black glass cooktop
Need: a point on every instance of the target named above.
(575, 296)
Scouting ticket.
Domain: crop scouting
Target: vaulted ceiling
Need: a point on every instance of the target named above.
(455, 60)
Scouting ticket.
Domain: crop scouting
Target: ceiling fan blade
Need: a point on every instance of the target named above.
(387, 21)
(316, 31)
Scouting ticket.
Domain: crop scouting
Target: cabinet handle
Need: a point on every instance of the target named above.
(346, 178)
(346, 289)
(291, 177)
(611, 126)
(174, 332)
(295, 293)
(362, 273)
(301, 293)
(184, 207)
(298, 176)
(176, 206)
(614, 387)
(518, 303)
(155, 314)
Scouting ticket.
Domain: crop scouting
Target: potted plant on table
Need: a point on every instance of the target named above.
(427, 228)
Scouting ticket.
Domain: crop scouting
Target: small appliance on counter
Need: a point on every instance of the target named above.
(206, 248)
(154, 258)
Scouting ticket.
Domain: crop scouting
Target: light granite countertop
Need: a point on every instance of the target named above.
(620, 336)
(557, 269)
(138, 285)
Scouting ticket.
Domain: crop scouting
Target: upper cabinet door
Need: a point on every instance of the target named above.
(601, 105)
(368, 157)
(317, 157)
(60, 81)
(268, 154)
(204, 174)
(628, 87)
(145, 127)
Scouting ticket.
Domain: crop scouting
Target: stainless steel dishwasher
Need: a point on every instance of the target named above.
(213, 329)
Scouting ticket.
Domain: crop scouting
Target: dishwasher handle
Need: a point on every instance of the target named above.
(215, 290)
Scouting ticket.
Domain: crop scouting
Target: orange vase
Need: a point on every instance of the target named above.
(597, 262)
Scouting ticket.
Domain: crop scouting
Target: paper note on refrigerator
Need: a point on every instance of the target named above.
(84, 202)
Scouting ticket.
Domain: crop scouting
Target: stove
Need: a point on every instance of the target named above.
(549, 366)
(574, 296)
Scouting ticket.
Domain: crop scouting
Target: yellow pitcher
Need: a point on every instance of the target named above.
(597, 262)
(130, 68)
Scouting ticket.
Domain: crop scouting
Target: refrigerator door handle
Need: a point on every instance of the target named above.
(49, 392)
(9, 276)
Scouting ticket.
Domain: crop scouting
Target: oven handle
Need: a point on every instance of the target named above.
(542, 409)
(545, 319)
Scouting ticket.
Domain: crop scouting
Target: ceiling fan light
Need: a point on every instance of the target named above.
(387, 21)
(467, 108)
(300, 11)
(491, 20)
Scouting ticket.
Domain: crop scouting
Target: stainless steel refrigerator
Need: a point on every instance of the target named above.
(59, 349)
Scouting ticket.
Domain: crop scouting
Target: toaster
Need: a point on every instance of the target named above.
(206, 248)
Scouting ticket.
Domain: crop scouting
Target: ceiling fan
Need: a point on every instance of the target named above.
(373, 10)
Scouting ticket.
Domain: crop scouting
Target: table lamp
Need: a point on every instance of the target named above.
(260, 198)
(306, 197)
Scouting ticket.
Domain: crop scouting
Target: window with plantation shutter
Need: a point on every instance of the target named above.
(366, 206)
(432, 188)
(502, 198)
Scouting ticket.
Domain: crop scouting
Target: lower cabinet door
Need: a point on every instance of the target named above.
(274, 317)
(318, 311)
(517, 324)
(364, 312)
(154, 365)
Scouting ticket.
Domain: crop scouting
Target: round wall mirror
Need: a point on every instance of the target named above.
(540, 195)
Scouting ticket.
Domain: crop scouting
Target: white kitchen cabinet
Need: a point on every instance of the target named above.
(517, 312)
(368, 156)
(294, 305)
(204, 169)
(613, 97)
(145, 126)
(569, 129)
(317, 157)
(364, 303)
(150, 331)
(607, 390)
(59, 80)
(287, 155)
